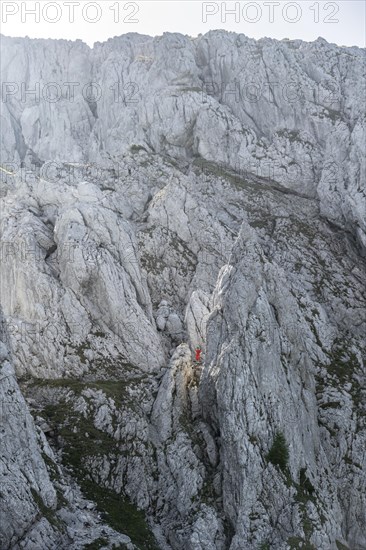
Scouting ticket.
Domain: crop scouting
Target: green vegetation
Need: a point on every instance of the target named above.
(305, 489)
(182, 257)
(279, 454)
(81, 442)
(79, 350)
(294, 136)
(342, 368)
(305, 492)
(341, 546)
(343, 362)
(120, 514)
(335, 116)
(259, 223)
(297, 543)
(191, 89)
(208, 493)
(137, 148)
(114, 389)
(265, 546)
(152, 264)
(96, 544)
(210, 168)
(182, 249)
(47, 512)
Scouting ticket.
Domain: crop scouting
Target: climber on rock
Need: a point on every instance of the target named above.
(198, 354)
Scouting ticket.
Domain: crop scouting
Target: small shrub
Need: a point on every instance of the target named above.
(278, 454)
(305, 483)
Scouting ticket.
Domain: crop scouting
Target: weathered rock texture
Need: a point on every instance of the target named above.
(205, 192)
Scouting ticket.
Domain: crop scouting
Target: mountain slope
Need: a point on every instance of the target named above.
(210, 194)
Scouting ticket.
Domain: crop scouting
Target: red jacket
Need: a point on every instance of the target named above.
(198, 354)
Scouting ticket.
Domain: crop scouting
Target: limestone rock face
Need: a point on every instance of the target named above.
(24, 477)
(262, 342)
(40, 506)
(277, 109)
(200, 192)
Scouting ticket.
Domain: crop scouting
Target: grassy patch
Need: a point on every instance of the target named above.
(341, 546)
(208, 494)
(152, 264)
(120, 514)
(278, 453)
(294, 136)
(297, 543)
(137, 148)
(191, 89)
(210, 168)
(82, 441)
(96, 544)
(305, 488)
(114, 389)
(47, 512)
(342, 368)
(305, 492)
(330, 405)
(334, 116)
(343, 362)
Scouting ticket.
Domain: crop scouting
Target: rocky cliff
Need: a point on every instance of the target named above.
(160, 194)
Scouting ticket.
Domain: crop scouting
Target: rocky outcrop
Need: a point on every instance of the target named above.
(278, 357)
(184, 212)
(284, 110)
(40, 505)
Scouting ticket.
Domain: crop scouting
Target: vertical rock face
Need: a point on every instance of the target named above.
(262, 378)
(287, 110)
(25, 481)
(183, 192)
(40, 507)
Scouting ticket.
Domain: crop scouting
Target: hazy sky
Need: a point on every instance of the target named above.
(342, 22)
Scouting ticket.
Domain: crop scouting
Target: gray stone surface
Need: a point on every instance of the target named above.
(157, 229)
